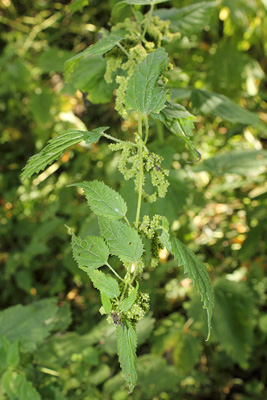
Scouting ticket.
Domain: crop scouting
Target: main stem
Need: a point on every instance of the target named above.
(147, 21)
(141, 172)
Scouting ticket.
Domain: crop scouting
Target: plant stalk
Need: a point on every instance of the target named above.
(114, 272)
(147, 21)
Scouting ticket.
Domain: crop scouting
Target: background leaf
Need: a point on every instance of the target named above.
(189, 19)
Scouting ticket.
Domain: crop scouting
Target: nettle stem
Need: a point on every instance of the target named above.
(141, 172)
(114, 272)
(147, 21)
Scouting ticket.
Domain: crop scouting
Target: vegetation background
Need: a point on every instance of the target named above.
(52, 343)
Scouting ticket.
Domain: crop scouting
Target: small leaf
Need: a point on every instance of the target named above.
(143, 94)
(90, 253)
(127, 343)
(129, 301)
(16, 386)
(189, 19)
(103, 200)
(197, 271)
(56, 147)
(123, 240)
(106, 303)
(105, 284)
(78, 5)
(98, 49)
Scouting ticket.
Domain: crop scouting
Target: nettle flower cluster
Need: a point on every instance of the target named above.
(136, 62)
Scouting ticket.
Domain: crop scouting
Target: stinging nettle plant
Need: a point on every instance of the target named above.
(135, 62)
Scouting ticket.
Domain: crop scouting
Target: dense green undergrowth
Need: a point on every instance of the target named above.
(54, 344)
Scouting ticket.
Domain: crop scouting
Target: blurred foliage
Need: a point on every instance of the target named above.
(50, 333)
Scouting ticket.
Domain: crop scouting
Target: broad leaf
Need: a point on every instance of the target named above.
(33, 323)
(189, 19)
(105, 284)
(129, 301)
(103, 200)
(16, 386)
(106, 303)
(123, 240)
(90, 252)
(56, 147)
(233, 319)
(143, 93)
(98, 49)
(246, 162)
(197, 271)
(221, 106)
(127, 343)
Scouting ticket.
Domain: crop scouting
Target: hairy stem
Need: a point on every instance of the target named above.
(118, 140)
(141, 172)
(114, 272)
(147, 21)
(147, 127)
(123, 49)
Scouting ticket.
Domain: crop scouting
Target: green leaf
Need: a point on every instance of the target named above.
(221, 106)
(246, 163)
(143, 93)
(78, 5)
(16, 386)
(53, 59)
(98, 49)
(233, 319)
(56, 147)
(197, 271)
(105, 284)
(129, 301)
(13, 354)
(106, 303)
(127, 343)
(143, 2)
(179, 121)
(33, 323)
(90, 252)
(123, 240)
(103, 200)
(189, 19)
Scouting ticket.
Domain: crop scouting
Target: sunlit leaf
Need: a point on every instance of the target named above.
(143, 93)
(123, 240)
(90, 252)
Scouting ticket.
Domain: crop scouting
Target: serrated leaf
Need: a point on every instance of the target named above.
(105, 284)
(16, 386)
(98, 49)
(127, 343)
(106, 303)
(189, 19)
(56, 147)
(179, 121)
(143, 93)
(123, 240)
(129, 301)
(221, 106)
(103, 200)
(90, 252)
(197, 271)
